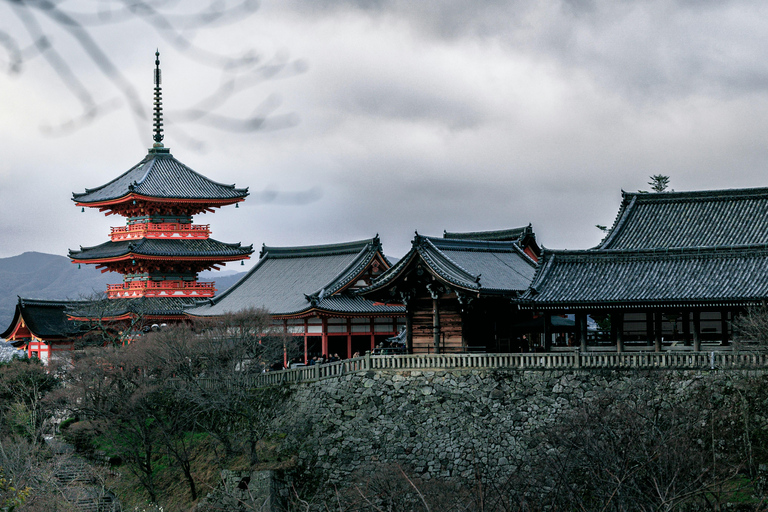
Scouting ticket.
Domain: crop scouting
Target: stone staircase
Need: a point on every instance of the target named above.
(79, 480)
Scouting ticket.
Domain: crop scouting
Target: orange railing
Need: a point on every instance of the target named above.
(164, 230)
(161, 289)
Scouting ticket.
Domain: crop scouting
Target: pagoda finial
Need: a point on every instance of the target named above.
(158, 121)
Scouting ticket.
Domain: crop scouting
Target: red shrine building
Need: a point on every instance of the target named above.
(311, 291)
(160, 251)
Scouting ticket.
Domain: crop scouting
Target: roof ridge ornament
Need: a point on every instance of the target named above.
(158, 147)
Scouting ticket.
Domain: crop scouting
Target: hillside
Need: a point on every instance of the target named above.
(37, 275)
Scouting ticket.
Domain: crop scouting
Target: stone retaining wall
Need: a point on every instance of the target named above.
(449, 423)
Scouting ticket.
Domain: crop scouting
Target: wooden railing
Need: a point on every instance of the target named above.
(159, 230)
(548, 361)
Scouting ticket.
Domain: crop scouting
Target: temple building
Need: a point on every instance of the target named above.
(159, 251)
(310, 290)
(672, 272)
(460, 293)
(41, 327)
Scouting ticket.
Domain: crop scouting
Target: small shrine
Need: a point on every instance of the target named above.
(160, 251)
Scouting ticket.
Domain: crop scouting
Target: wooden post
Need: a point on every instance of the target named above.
(582, 323)
(696, 331)
(619, 321)
(657, 331)
(409, 330)
(649, 327)
(547, 331)
(436, 324)
(324, 339)
(687, 328)
(724, 326)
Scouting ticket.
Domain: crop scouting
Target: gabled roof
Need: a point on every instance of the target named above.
(160, 175)
(204, 248)
(524, 237)
(713, 276)
(469, 265)
(690, 219)
(45, 319)
(501, 235)
(296, 280)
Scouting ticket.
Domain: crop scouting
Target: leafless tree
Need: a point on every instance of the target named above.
(66, 36)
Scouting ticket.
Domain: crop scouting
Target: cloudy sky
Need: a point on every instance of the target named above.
(386, 116)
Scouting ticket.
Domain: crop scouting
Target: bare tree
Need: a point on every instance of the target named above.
(66, 37)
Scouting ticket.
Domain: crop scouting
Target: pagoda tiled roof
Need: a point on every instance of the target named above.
(691, 276)
(690, 219)
(470, 265)
(296, 280)
(160, 175)
(202, 248)
(141, 306)
(45, 319)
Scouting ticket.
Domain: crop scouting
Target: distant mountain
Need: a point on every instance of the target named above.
(37, 275)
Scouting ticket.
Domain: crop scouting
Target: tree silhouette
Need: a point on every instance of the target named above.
(47, 28)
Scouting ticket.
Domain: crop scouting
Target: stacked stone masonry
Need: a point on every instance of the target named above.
(449, 423)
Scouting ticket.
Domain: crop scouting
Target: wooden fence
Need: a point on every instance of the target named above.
(544, 361)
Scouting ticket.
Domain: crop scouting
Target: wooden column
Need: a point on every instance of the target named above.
(619, 320)
(696, 331)
(409, 330)
(687, 328)
(657, 331)
(436, 323)
(581, 323)
(649, 327)
(724, 326)
(324, 339)
(547, 331)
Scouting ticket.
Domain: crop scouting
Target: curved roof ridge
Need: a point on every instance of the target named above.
(319, 250)
(341, 279)
(76, 195)
(438, 252)
(627, 205)
(483, 235)
(698, 194)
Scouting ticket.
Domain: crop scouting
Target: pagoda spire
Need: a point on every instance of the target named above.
(158, 115)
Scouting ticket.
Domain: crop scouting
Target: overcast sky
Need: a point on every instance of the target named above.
(396, 116)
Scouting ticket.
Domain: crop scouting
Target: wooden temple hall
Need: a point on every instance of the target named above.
(672, 273)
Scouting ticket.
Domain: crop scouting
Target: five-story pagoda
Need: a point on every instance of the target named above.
(160, 251)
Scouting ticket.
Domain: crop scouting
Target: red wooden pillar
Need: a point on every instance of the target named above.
(324, 338)
(349, 337)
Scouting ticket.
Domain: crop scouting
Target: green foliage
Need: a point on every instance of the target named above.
(11, 497)
(659, 183)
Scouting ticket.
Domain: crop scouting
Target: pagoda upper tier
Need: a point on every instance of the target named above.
(159, 255)
(160, 185)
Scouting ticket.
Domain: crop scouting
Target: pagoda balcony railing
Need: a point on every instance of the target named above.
(174, 288)
(162, 230)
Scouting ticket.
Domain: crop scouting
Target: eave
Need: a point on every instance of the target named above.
(150, 199)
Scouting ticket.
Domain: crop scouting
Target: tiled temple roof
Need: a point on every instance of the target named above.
(470, 265)
(690, 219)
(501, 235)
(669, 248)
(691, 276)
(296, 280)
(44, 318)
(202, 248)
(142, 306)
(160, 175)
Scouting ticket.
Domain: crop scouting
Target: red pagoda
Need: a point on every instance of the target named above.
(160, 251)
